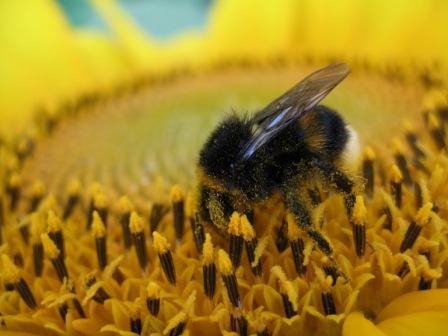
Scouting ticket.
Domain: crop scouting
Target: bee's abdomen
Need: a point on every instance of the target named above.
(325, 132)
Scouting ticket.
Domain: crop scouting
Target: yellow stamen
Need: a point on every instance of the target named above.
(424, 214)
(247, 230)
(176, 321)
(359, 210)
(434, 122)
(396, 175)
(136, 223)
(259, 250)
(293, 228)
(53, 222)
(125, 205)
(161, 245)
(224, 264)
(74, 187)
(153, 290)
(207, 251)
(190, 205)
(15, 180)
(38, 188)
(369, 153)
(10, 272)
(176, 194)
(98, 228)
(234, 224)
(100, 200)
(50, 247)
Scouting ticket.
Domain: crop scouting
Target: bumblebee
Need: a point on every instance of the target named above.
(248, 159)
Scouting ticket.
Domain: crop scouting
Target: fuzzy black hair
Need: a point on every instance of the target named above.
(222, 146)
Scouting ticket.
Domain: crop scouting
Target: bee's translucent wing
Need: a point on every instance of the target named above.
(292, 105)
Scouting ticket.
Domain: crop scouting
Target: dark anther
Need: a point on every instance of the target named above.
(178, 218)
(328, 304)
(232, 289)
(331, 271)
(359, 236)
(25, 292)
(198, 232)
(124, 222)
(158, 211)
(404, 269)
(401, 162)
(424, 284)
(287, 305)
(153, 305)
(369, 177)
(297, 248)
(136, 325)
(235, 249)
(388, 221)
(410, 236)
(209, 279)
(166, 260)
(178, 330)
(38, 258)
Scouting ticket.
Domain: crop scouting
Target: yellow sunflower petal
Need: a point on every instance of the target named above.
(357, 324)
(423, 323)
(430, 300)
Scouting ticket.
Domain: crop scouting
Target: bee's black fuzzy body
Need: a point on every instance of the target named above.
(233, 180)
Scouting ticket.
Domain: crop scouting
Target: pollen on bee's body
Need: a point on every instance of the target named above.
(162, 248)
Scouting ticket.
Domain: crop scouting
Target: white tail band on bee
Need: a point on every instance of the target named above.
(352, 151)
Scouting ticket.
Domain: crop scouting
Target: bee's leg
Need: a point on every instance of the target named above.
(212, 209)
(297, 206)
(338, 180)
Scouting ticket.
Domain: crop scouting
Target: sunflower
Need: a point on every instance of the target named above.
(98, 229)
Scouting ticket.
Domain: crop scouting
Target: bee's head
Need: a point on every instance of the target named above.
(218, 155)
